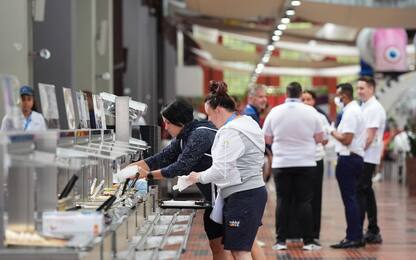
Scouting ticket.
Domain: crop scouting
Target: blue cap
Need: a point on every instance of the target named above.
(26, 90)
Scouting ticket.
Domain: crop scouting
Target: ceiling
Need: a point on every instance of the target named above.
(332, 29)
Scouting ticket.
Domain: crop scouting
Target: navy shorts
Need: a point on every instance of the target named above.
(243, 212)
(212, 228)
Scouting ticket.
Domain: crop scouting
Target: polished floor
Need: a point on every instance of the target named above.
(397, 220)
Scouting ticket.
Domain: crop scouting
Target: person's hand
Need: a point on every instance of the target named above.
(129, 172)
(330, 129)
(194, 177)
(142, 169)
(141, 174)
(131, 164)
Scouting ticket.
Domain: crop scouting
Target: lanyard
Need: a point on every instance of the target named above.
(28, 121)
(292, 100)
(234, 115)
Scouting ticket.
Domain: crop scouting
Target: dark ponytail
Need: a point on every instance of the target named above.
(218, 96)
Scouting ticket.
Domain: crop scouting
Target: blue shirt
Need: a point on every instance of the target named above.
(251, 111)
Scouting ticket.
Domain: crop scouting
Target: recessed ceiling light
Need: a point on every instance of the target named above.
(290, 12)
(275, 38)
(265, 59)
(295, 3)
(282, 27)
(277, 32)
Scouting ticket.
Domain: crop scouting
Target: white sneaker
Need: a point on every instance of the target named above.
(279, 246)
(377, 177)
(311, 247)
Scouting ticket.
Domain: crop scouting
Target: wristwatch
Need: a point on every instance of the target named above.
(149, 176)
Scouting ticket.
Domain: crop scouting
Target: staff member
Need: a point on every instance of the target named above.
(293, 129)
(237, 161)
(188, 151)
(351, 134)
(309, 98)
(375, 121)
(33, 121)
(257, 101)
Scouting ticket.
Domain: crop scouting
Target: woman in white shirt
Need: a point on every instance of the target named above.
(31, 121)
(237, 161)
(309, 98)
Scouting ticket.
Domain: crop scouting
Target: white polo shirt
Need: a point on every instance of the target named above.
(374, 117)
(293, 126)
(352, 121)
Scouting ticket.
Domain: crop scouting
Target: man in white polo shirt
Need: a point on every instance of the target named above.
(375, 120)
(293, 129)
(351, 137)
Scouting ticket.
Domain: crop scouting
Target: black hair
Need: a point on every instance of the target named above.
(179, 112)
(346, 89)
(312, 93)
(294, 90)
(369, 80)
(218, 96)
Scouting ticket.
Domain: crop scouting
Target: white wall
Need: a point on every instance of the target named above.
(15, 41)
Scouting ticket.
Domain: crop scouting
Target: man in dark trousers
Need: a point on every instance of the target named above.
(294, 129)
(375, 120)
(350, 135)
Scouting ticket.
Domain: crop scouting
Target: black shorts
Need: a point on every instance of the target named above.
(212, 228)
(243, 212)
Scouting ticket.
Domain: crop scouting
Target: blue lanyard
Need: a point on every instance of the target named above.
(28, 121)
(234, 115)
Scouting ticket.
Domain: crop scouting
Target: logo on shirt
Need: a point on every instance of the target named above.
(234, 223)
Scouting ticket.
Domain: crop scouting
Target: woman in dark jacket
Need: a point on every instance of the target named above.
(189, 151)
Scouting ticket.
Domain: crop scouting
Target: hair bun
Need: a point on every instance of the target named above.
(218, 87)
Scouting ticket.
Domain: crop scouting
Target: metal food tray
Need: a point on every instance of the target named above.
(198, 205)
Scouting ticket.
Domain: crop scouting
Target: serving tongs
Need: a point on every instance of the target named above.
(64, 195)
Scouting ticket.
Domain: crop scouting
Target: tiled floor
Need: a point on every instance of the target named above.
(397, 220)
